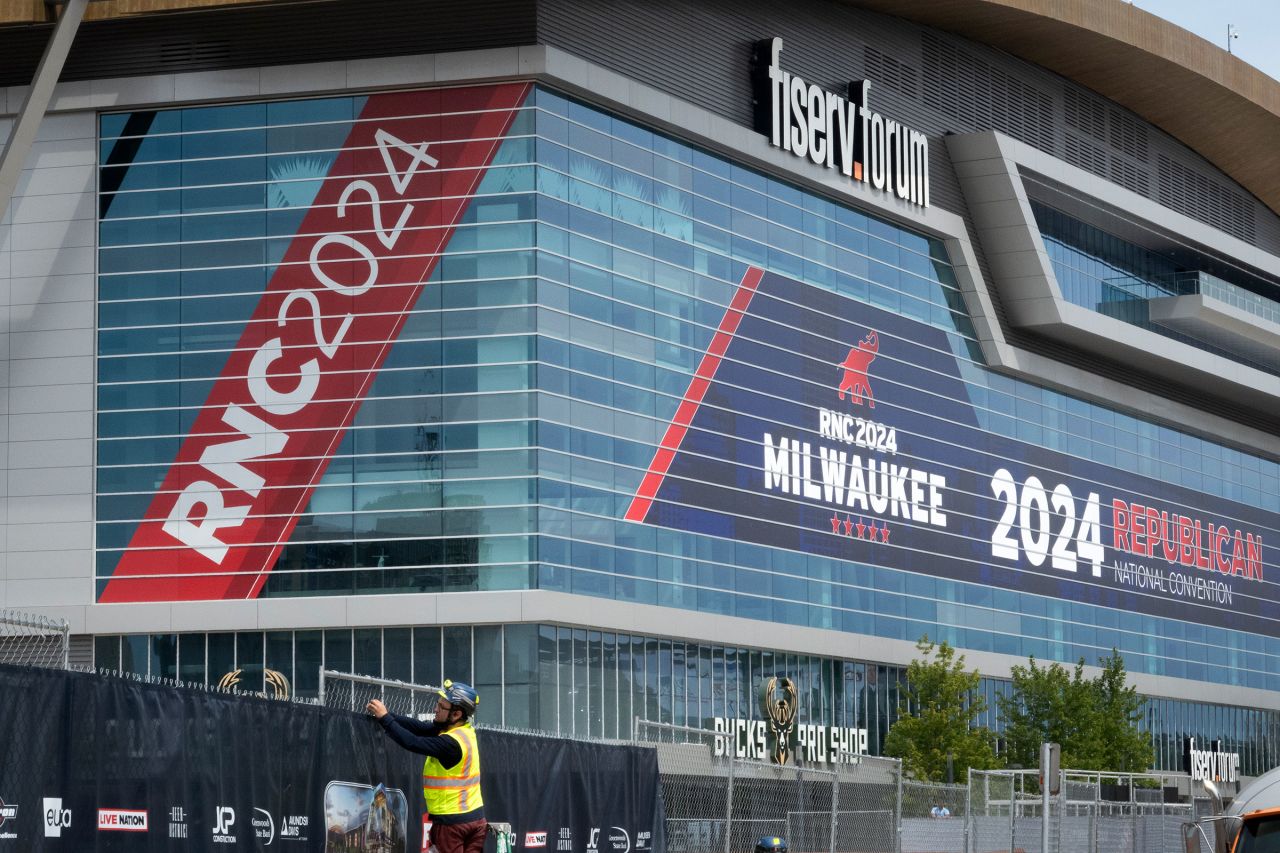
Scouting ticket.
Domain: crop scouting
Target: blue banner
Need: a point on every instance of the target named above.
(825, 426)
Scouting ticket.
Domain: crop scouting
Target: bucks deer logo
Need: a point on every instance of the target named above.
(779, 702)
(855, 366)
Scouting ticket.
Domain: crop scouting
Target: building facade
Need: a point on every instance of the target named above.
(619, 357)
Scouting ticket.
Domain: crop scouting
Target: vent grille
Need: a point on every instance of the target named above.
(1129, 176)
(1087, 156)
(1085, 114)
(893, 73)
(1189, 192)
(1129, 135)
(187, 52)
(958, 84)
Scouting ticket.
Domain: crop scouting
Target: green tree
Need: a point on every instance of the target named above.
(936, 717)
(1095, 720)
(1122, 745)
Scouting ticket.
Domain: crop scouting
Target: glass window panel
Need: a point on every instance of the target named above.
(279, 657)
(134, 654)
(222, 656)
(106, 652)
(367, 651)
(308, 653)
(488, 673)
(249, 656)
(337, 650)
(457, 653)
(397, 654)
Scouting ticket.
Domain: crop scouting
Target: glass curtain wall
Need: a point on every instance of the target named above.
(520, 406)
(584, 683)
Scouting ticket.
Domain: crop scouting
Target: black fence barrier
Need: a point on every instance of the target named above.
(96, 763)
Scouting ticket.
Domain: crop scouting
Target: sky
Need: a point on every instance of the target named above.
(1257, 21)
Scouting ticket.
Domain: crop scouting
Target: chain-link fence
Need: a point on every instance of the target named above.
(352, 692)
(717, 801)
(1092, 812)
(29, 640)
(934, 817)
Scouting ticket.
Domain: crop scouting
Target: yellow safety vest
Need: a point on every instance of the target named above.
(454, 790)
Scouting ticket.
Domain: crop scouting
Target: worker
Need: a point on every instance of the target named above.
(451, 772)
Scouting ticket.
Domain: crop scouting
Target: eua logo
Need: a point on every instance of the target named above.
(56, 818)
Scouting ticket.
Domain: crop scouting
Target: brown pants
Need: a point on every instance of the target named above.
(460, 837)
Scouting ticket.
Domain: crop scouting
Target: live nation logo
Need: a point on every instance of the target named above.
(122, 820)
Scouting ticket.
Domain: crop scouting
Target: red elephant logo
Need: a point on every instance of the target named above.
(855, 366)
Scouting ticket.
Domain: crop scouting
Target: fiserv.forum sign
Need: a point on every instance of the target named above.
(838, 132)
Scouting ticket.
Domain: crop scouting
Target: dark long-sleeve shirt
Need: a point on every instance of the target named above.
(426, 739)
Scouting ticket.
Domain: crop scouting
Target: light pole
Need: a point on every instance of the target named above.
(1232, 33)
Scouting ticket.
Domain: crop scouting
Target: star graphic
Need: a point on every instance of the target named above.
(884, 533)
(862, 529)
(848, 525)
(872, 530)
(835, 523)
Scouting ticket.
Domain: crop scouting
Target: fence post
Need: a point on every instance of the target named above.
(321, 693)
(898, 834)
(728, 800)
(835, 805)
(968, 813)
(1097, 811)
(1013, 799)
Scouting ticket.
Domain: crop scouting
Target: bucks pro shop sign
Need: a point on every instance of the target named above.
(838, 132)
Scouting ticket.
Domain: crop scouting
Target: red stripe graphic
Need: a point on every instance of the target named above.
(314, 345)
(698, 386)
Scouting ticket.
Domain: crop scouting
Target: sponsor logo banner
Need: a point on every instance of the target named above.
(177, 822)
(535, 839)
(264, 826)
(8, 819)
(122, 820)
(821, 425)
(56, 818)
(308, 356)
(224, 822)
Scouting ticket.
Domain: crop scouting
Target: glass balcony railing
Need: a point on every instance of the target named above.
(1129, 288)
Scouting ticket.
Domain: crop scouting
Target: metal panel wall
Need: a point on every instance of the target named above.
(275, 34)
(699, 50)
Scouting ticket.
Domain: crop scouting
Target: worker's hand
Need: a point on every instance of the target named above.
(376, 708)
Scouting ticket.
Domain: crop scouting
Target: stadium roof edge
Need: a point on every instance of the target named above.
(1210, 100)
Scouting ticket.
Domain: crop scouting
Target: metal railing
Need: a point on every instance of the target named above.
(1093, 812)
(30, 640)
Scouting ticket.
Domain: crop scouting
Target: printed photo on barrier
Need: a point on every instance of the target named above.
(364, 819)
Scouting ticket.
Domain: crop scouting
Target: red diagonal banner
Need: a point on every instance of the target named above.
(308, 356)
